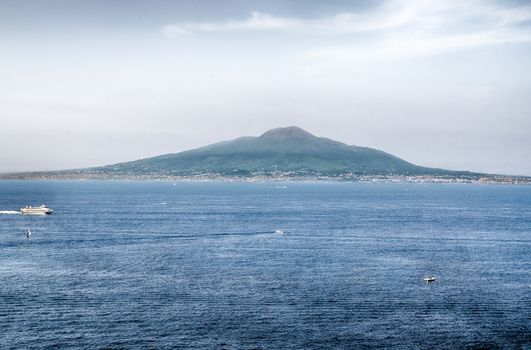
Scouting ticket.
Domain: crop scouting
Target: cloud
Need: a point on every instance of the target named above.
(428, 28)
(389, 16)
(402, 47)
(256, 22)
(426, 14)
(398, 29)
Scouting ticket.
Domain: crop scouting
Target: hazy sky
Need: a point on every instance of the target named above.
(439, 83)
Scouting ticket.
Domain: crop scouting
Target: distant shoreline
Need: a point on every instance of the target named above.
(344, 178)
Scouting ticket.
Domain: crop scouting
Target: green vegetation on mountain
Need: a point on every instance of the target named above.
(288, 150)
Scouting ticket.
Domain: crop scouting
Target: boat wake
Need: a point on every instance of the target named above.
(9, 212)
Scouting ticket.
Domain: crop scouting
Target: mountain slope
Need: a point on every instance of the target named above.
(283, 150)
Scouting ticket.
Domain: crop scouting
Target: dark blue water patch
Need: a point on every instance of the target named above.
(198, 265)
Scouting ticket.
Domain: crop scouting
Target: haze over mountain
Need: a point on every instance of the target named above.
(282, 150)
(288, 153)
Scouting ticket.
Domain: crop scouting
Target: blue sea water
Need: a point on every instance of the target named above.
(198, 266)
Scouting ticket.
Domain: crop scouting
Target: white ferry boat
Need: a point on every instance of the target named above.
(43, 209)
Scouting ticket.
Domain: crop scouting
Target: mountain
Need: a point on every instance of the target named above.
(283, 153)
(291, 151)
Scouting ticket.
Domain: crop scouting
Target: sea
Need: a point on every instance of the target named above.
(198, 265)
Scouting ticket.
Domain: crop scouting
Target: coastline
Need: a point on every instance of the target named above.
(283, 177)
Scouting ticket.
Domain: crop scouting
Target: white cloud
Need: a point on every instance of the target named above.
(399, 29)
(407, 46)
(428, 28)
(389, 16)
(256, 22)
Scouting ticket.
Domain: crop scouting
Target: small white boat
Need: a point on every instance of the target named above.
(28, 234)
(429, 279)
(279, 232)
(43, 209)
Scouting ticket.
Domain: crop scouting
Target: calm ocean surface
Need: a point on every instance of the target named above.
(197, 266)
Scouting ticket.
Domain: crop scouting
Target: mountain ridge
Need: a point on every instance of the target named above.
(287, 153)
(287, 149)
